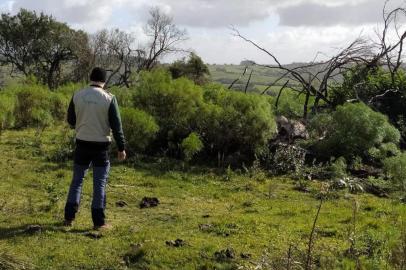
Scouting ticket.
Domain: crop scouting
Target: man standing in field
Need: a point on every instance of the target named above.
(93, 113)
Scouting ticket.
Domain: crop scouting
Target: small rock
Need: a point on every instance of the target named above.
(93, 235)
(121, 204)
(226, 254)
(177, 243)
(147, 202)
(205, 216)
(205, 227)
(245, 256)
(32, 229)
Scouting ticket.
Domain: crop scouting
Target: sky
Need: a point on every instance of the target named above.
(294, 30)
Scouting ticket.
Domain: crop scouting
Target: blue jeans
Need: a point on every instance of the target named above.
(84, 157)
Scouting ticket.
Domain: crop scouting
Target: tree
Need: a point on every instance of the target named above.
(38, 45)
(314, 79)
(164, 37)
(112, 49)
(194, 68)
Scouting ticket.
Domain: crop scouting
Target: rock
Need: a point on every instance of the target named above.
(245, 256)
(121, 204)
(205, 216)
(93, 235)
(147, 202)
(32, 229)
(289, 130)
(223, 255)
(340, 184)
(206, 227)
(177, 243)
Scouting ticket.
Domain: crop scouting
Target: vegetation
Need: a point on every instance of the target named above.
(258, 221)
(255, 167)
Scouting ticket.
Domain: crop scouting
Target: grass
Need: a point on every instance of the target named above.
(209, 213)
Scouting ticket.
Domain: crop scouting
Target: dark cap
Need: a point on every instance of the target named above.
(98, 75)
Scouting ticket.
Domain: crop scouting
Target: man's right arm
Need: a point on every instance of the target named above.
(71, 114)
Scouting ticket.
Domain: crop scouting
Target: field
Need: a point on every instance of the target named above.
(256, 217)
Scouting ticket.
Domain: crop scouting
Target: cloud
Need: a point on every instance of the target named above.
(90, 15)
(322, 14)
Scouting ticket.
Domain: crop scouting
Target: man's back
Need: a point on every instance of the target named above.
(92, 114)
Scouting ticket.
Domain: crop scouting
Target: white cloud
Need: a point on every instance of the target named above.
(295, 30)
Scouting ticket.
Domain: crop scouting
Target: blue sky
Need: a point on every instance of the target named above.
(295, 30)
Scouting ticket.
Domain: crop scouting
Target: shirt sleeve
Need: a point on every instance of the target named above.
(71, 114)
(115, 124)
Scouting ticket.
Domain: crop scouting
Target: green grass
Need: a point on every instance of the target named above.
(210, 214)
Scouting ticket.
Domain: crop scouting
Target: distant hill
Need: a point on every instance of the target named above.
(261, 76)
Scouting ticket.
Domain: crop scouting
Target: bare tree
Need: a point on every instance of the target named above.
(112, 50)
(314, 79)
(164, 36)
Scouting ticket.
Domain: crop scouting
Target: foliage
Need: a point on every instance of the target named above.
(7, 104)
(194, 69)
(395, 167)
(33, 108)
(139, 128)
(191, 145)
(352, 130)
(173, 104)
(377, 87)
(39, 45)
(285, 159)
(235, 123)
(228, 123)
(338, 168)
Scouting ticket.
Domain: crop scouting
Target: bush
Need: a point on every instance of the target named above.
(139, 128)
(7, 105)
(338, 168)
(173, 103)
(33, 107)
(395, 167)
(354, 129)
(191, 145)
(235, 123)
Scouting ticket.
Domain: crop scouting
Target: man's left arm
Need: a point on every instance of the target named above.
(115, 124)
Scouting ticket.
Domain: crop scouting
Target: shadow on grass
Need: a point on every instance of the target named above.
(37, 229)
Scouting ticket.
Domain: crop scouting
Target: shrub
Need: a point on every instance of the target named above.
(33, 107)
(139, 128)
(236, 123)
(7, 104)
(191, 145)
(173, 103)
(395, 167)
(353, 129)
(338, 168)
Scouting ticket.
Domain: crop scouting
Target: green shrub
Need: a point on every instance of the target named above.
(7, 105)
(236, 123)
(231, 124)
(353, 129)
(58, 106)
(139, 128)
(173, 103)
(191, 145)
(395, 167)
(33, 107)
(338, 168)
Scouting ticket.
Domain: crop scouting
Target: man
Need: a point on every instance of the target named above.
(93, 113)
